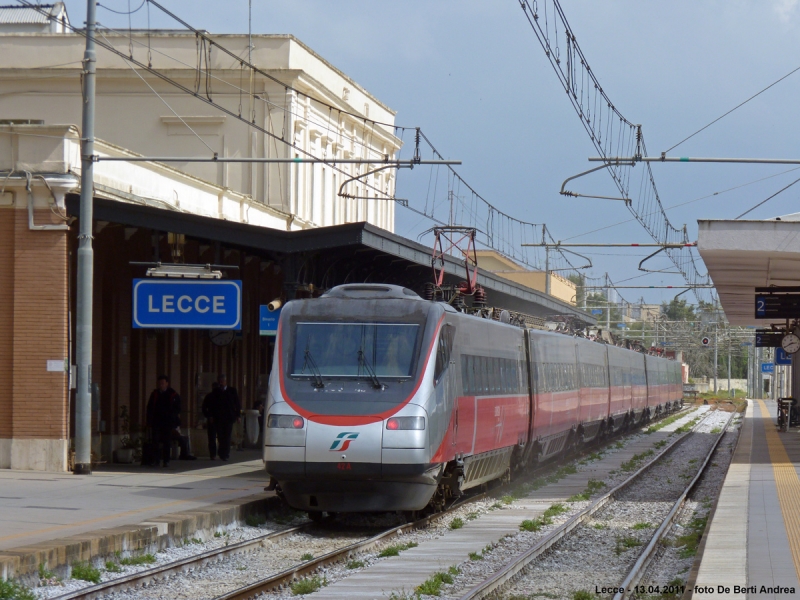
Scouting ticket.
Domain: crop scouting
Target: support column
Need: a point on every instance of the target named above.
(83, 403)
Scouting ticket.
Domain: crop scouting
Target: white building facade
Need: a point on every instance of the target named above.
(301, 106)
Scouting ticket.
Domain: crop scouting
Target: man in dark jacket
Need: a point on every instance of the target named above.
(224, 409)
(211, 426)
(163, 415)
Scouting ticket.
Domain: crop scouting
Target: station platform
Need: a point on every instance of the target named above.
(59, 517)
(752, 545)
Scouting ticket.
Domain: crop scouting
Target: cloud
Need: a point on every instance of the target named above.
(786, 9)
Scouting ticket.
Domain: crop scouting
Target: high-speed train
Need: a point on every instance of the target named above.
(382, 401)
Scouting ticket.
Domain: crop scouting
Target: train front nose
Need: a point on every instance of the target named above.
(342, 467)
(344, 472)
(338, 451)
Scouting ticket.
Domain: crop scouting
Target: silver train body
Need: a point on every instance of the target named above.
(381, 401)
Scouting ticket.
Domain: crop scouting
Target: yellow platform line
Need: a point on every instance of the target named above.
(788, 485)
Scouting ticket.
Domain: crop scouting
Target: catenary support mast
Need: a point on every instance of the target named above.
(83, 337)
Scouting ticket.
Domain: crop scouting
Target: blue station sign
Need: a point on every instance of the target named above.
(782, 357)
(268, 320)
(187, 304)
(767, 368)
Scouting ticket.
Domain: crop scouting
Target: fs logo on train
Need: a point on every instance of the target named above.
(342, 441)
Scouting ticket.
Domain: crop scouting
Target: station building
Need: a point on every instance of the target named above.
(281, 229)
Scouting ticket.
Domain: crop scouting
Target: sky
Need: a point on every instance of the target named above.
(472, 75)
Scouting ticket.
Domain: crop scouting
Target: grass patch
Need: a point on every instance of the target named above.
(217, 534)
(396, 549)
(626, 543)
(12, 590)
(457, 523)
(307, 556)
(507, 499)
(716, 430)
(355, 564)
(688, 426)
(86, 572)
(583, 595)
(689, 541)
(600, 526)
(593, 486)
(44, 572)
(113, 567)
(554, 510)
(637, 460)
(144, 559)
(472, 516)
(495, 506)
(475, 556)
(255, 520)
(660, 444)
(640, 526)
(534, 524)
(664, 422)
(433, 585)
(309, 585)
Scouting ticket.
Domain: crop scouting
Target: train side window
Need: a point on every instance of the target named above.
(443, 352)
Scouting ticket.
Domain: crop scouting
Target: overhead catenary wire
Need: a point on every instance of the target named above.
(609, 131)
(718, 193)
(756, 95)
(123, 12)
(780, 191)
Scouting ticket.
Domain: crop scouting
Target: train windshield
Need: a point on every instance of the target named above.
(350, 350)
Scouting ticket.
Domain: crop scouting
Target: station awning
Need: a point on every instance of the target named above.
(360, 239)
(743, 255)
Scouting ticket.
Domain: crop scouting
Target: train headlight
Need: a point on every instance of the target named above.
(285, 422)
(405, 423)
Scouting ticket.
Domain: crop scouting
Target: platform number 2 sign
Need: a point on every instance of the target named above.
(761, 306)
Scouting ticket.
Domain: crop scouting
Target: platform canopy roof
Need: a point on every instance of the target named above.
(743, 255)
(358, 243)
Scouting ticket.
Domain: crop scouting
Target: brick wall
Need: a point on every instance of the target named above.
(37, 324)
(6, 317)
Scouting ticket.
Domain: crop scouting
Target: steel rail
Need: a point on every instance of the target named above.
(512, 569)
(286, 577)
(178, 566)
(643, 562)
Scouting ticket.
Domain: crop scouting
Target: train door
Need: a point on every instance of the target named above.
(445, 386)
(475, 383)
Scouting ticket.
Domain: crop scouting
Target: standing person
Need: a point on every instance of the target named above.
(211, 426)
(225, 410)
(163, 415)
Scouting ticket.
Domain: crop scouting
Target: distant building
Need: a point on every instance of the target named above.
(494, 262)
(49, 18)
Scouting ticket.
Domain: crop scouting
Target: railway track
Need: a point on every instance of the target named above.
(285, 577)
(516, 569)
(276, 581)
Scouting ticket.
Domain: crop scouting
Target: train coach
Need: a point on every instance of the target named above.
(382, 401)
